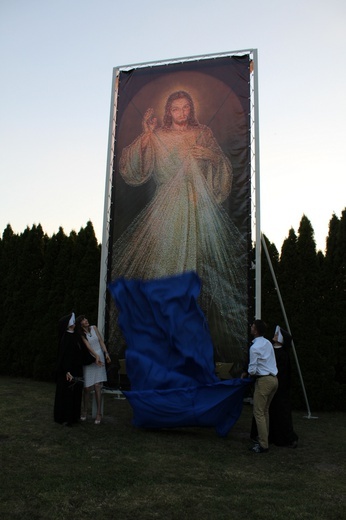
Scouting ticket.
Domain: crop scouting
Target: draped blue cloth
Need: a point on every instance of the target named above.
(169, 356)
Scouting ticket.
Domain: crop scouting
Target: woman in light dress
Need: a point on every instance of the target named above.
(95, 373)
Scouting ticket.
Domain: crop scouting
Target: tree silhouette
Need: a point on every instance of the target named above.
(43, 278)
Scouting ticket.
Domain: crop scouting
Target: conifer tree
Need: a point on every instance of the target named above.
(290, 281)
(50, 302)
(311, 352)
(288, 275)
(8, 264)
(30, 265)
(341, 307)
(87, 273)
(334, 305)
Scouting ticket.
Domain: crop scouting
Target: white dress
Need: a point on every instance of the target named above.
(92, 373)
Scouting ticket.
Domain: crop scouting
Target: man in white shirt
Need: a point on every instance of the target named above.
(262, 367)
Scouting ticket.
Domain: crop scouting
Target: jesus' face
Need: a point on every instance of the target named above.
(180, 111)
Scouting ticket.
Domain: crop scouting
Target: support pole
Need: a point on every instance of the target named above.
(264, 245)
(258, 287)
(106, 209)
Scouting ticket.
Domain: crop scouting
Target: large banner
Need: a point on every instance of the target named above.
(181, 190)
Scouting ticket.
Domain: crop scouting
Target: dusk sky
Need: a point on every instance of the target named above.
(57, 60)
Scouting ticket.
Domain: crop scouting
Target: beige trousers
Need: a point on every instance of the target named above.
(265, 388)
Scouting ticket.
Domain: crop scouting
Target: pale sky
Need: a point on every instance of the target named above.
(57, 59)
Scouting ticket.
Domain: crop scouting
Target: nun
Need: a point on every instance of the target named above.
(69, 374)
(281, 432)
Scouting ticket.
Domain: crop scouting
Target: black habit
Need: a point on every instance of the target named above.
(281, 431)
(68, 395)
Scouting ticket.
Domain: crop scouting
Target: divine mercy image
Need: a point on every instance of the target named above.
(184, 226)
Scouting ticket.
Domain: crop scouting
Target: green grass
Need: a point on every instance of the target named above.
(117, 472)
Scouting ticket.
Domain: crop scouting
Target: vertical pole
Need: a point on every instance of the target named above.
(105, 233)
(258, 285)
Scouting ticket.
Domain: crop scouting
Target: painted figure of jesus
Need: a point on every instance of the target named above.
(184, 227)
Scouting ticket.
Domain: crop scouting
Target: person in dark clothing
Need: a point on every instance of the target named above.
(281, 432)
(68, 394)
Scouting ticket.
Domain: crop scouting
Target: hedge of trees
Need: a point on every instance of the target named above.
(43, 278)
(313, 289)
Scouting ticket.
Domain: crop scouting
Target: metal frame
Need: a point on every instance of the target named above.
(254, 129)
(107, 206)
(257, 212)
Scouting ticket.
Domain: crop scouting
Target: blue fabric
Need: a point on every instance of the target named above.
(169, 356)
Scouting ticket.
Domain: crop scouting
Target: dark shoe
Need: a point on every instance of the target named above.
(293, 445)
(258, 449)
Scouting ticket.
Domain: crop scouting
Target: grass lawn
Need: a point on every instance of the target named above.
(116, 472)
